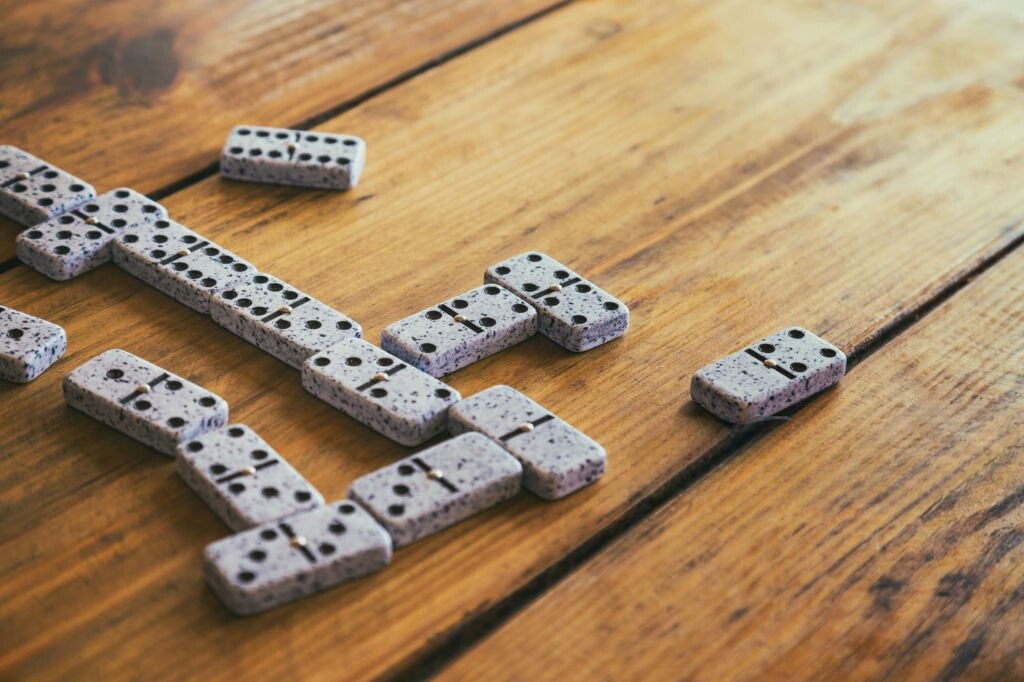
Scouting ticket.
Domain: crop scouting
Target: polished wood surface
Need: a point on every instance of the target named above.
(847, 175)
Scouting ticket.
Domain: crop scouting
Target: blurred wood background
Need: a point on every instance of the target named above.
(725, 168)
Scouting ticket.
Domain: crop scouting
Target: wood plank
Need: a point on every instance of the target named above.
(124, 92)
(879, 536)
(840, 189)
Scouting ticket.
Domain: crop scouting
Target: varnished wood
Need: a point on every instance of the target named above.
(721, 199)
(878, 535)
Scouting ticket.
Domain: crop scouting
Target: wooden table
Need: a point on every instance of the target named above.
(726, 168)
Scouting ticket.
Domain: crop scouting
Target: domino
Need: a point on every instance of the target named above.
(143, 401)
(78, 241)
(293, 157)
(377, 389)
(557, 458)
(179, 262)
(768, 376)
(32, 191)
(284, 560)
(573, 312)
(437, 488)
(242, 478)
(28, 345)
(279, 319)
(460, 331)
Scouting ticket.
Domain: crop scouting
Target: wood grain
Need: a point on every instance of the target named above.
(719, 198)
(879, 536)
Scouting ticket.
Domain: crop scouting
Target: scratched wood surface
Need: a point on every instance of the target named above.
(842, 178)
(892, 552)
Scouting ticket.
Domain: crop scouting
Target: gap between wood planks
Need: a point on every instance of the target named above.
(353, 102)
(477, 628)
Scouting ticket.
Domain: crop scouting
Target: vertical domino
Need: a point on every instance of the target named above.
(242, 479)
(78, 241)
(573, 312)
(557, 458)
(28, 345)
(142, 400)
(768, 376)
(460, 331)
(32, 191)
(377, 389)
(293, 157)
(438, 487)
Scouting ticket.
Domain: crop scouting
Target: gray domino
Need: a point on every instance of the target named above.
(242, 479)
(28, 345)
(460, 331)
(303, 158)
(143, 401)
(557, 458)
(279, 319)
(179, 262)
(284, 560)
(768, 376)
(438, 487)
(32, 191)
(377, 389)
(573, 312)
(78, 241)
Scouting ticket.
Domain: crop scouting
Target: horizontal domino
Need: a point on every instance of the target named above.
(768, 376)
(438, 487)
(28, 345)
(179, 262)
(284, 560)
(32, 191)
(460, 331)
(143, 401)
(279, 319)
(293, 157)
(242, 479)
(379, 390)
(572, 311)
(79, 240)
(557, 458)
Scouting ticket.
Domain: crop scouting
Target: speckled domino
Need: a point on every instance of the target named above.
(79, 240)
(557, 458)
(438, 487)
(142, 400)
(284, 560)
(379, 390)
(768, 376)
(279, 319)
(242, 478)
(573, 312)
(28, 345)
(460, 331)
(32, 191)
(179, 262)
(293, 157)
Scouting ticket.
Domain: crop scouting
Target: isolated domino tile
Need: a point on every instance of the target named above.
(557, 458)
(242, 479)
(32, 191)
(28, 345)
(142, 400)
(460, 331)
(284, 560)
(78, 241)
(438, 487)
(293, 157)
(279, 319)
(379, 390)
(768, 376)
(179, 262)
(572, 311)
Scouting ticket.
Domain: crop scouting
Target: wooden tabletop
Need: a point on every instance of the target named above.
(725, 168)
